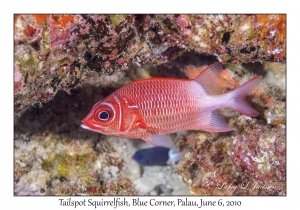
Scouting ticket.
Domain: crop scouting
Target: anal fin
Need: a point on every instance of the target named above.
(214, 122)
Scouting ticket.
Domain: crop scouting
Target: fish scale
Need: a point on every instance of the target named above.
(154, 108)
(151, 108)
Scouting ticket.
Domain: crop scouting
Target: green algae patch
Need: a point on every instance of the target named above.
(62, 170)
(116, 19)
(29, 65)
(46, 40)
(67, 165)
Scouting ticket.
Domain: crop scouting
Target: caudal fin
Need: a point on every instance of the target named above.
(238, 95)
(175, 156)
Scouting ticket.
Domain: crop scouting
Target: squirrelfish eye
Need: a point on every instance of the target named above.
(104, 115)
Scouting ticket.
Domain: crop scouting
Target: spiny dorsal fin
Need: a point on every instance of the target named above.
(210, 79)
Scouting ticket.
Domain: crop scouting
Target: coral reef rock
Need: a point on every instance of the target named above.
(61, 52)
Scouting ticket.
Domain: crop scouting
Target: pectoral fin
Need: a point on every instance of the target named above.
(141, 124)
(137, 122)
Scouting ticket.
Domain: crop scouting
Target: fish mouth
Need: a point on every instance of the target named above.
(85, 127)
(90, 129)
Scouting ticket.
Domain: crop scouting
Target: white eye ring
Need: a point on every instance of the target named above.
(104, 115)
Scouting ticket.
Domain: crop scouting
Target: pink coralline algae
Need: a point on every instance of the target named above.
(248, 161)
(61, 52)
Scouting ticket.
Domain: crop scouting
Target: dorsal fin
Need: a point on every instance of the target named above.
(210, 79)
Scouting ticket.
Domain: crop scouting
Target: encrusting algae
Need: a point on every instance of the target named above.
(61, 52)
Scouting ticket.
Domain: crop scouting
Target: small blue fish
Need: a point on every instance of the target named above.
(159, 156)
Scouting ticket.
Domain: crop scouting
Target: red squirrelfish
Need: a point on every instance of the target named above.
(151, 108)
